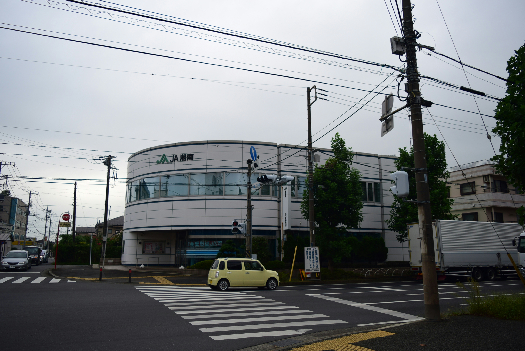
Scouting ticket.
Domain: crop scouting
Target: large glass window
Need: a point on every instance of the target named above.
(301, 186)
(198, 184)
(214, 183)
(174, 185)
(236, 184)
(149, 188)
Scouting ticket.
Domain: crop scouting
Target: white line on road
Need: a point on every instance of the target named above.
(272, 325)
(19, 272)
(38, 280)
(260, 334)
(20, 280)
(366, 307)
(257, 319)
(226, 315)
(5, 279)
(54, 280)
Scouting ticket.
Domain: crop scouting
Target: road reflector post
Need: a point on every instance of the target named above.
(130, 275)
(100, 276)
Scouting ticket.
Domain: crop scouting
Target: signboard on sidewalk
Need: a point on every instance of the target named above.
(312, 263)
(64, 224)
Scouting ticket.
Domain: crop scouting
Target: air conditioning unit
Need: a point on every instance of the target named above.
(486, 179)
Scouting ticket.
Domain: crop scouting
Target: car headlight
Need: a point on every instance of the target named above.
(217, 274)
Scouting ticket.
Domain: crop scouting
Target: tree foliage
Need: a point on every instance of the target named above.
(260, 247)
(402, 212)
(337, 202)
(510, 125)
(229, 249)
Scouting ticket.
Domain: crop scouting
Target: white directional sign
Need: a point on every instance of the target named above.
(312, 262)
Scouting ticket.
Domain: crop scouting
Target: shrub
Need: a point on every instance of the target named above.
(206, 264)
(275, 265)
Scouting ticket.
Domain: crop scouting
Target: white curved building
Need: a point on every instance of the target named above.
(182, 198)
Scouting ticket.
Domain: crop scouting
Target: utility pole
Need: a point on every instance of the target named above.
(430, 289)
(73, 232)
(27, 218)
(45, 225)
(249, 212)
(311, 217)
(106, 162)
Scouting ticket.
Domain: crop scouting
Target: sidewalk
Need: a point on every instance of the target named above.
(454, 333)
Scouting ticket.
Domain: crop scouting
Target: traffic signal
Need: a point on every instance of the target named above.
(235, 227)
(267, 178)
(401, 189)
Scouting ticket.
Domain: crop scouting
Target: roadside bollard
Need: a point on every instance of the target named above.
(130, 275)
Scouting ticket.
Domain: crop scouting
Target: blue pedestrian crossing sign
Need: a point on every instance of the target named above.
(253, 153)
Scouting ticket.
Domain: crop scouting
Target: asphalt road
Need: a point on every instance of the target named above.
(62, 314)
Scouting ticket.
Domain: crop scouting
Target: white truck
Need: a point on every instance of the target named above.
(473, 248)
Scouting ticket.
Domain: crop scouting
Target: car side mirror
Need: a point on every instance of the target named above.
(513, 242)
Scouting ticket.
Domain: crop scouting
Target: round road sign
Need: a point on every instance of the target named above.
(65, 217)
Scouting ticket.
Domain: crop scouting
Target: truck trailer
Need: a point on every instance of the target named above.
(477, 249)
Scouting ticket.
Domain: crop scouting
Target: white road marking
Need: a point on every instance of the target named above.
(20, 280)
(38, 280)
(381, 289)
(260, 334)
(272, 325)
(54, 280)
(367, 307)
(257, 319)
(12, 272)
(71, 281)
(243, 314)
(6, 279)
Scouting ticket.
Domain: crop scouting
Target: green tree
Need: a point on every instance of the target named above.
(402, 212)
(510, 125)
(337, 202)
(229, 249)
(260, 247)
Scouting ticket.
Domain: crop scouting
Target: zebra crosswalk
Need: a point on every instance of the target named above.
(236, 315)
(32, 280)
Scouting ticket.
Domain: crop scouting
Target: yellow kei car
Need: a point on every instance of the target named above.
(226, 272)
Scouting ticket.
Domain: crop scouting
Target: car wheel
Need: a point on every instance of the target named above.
(271, 284)
(223, 285)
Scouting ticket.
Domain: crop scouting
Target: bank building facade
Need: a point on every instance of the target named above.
(181, 198)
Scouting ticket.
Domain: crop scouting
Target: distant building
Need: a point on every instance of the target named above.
(12, 221)
(484, 195)
(115, 226)
(85, 231)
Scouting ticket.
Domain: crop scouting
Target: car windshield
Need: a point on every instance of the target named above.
(32, 250)
(215, 264)
(16, 255)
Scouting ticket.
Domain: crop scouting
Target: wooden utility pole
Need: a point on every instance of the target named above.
(430, 289)
(27, 219)
(249, 212)
(311, 214)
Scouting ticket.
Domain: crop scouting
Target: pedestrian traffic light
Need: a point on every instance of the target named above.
(401, 189)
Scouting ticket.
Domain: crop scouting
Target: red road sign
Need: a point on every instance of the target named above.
(65, 217)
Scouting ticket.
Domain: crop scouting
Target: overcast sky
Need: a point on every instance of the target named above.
(64, 103)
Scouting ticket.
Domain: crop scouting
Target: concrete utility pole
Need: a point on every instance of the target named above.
(74, 230)
(27, 218)
(311, 217)
(249, 212)
(107, 162)
(431, 298)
